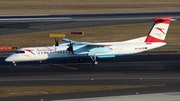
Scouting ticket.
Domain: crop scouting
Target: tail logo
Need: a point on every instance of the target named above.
(160, 29)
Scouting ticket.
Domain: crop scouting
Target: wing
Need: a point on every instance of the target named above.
(87, 47)
(84, 43)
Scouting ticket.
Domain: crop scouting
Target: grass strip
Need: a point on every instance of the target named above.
(41, 90)
(85, 6)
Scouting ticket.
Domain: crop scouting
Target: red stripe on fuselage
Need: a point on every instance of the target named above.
(153, 39)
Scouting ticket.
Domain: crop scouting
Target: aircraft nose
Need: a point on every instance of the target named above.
(9, 59)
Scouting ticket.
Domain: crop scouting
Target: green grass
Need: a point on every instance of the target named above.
(41, 90)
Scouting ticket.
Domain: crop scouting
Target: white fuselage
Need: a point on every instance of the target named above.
(69, 49)
(60, 52)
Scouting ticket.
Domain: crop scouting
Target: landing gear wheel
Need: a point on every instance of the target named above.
(14, 64)
(95, 63)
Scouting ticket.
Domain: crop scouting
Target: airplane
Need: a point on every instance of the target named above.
(79, 50)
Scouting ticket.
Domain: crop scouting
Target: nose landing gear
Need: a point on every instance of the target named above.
(14, 63)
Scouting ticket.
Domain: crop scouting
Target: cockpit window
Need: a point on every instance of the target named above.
(19, 52)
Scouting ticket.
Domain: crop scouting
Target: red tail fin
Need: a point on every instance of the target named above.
(159, 30)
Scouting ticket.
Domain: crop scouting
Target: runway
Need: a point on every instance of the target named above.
(126, 68)
(152, 67)
(142, 61)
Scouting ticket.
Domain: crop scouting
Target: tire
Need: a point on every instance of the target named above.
(95, 63)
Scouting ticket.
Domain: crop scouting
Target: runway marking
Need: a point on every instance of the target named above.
(60, 65)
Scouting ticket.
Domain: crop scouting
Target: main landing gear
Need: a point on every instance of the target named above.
(95, 62)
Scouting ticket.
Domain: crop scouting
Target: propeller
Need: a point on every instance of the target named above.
(70, 48)
(56, 42)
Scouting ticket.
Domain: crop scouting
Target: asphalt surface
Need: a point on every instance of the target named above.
(21, 24)
(153, 68)
(142, 61)
(81, 17)
(160, 68)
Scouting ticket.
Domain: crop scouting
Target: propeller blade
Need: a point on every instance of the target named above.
(56, 42)
(70, 48)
